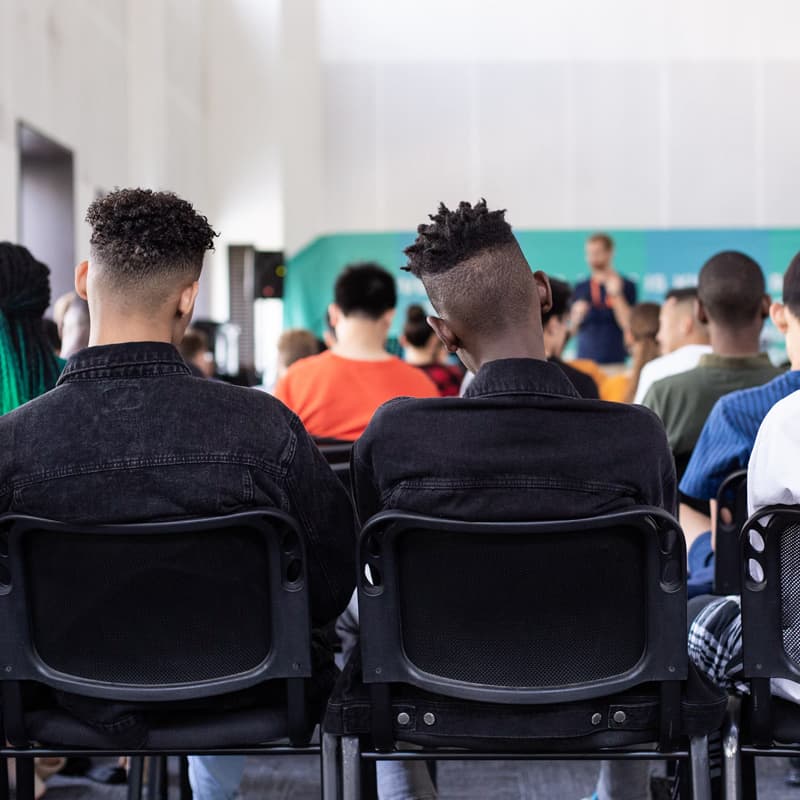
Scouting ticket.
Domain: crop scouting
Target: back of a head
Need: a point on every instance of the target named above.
(791, 286)
(295, 344)
(562, 294)
(145, 245)
(193, 344)
(644, 321)
(365, 290)
(472, 268)
(416, 330)
(731, 289)
(28, 366)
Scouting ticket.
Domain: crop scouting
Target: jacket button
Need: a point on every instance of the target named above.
(619, 717)
(429, 718)
(597, 719)
(403, 718)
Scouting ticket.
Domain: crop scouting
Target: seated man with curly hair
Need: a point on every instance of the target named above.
(129, 435)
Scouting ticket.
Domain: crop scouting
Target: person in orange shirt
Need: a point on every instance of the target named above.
(336, 392)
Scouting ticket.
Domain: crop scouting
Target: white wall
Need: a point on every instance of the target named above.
(573, 114)
(121, 83)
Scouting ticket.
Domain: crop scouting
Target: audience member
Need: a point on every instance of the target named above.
(715, 637)
(555, 325)
(75, 327)
(682, 337)
(336, 392)
(640, 340)
(113, 442)
(293, 345)
(521, 422)
(602, 308)
(28, 365)
(423, 349)
(732, 302)
(194, 351)
(728, 436)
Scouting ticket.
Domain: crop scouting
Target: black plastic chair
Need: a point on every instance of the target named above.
(520, 640)
(768, 726)
(163, 616)
(731, 516)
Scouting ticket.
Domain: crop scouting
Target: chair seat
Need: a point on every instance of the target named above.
(246, 727)
(485, 726)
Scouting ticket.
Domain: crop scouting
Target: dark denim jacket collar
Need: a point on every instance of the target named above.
(520, 376)
(128, 360)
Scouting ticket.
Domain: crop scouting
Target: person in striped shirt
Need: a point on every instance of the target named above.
(729, 434)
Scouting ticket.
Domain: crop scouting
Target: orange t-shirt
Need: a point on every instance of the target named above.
(615, 389)
(336, 397)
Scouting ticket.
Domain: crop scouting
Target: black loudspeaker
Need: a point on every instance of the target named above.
(268, 274)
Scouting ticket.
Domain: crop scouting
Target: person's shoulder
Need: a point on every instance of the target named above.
(680, 381)
(413, 379)
(784, 413)
(309, 365)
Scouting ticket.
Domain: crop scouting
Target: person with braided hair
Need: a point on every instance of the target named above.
(28, 366)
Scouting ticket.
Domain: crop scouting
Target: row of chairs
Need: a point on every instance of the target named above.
(562, 640)
(479, 640)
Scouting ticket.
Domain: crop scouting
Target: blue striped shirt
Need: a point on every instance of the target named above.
(729, 434)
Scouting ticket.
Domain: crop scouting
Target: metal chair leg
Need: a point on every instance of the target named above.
(330, 767)
(135, 778)
(185, 787)
(701, 771)
(351, 768)
(749, 782)
(5, 789)
(25, 780)
(731, 757)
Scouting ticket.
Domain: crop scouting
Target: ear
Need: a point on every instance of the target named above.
(545, 292)
(700, 311)
(766, 302)
(334, 314)
(81, 278)
(186, 300)
(777, 312)
(445, 333)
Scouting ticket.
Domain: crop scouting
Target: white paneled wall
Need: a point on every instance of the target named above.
(669, 113)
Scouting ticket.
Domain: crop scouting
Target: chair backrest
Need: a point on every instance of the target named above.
(731, 516)
(155, 611)
(520, 612)
(770, 559)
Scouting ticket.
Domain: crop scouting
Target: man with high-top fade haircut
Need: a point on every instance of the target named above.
(129, 435)
(521, 444)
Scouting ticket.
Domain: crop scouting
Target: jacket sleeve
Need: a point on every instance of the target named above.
(319, 501)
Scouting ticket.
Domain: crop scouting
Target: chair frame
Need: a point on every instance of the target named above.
(385, 662)
(763, 651)
(289, 657)
(727, 562)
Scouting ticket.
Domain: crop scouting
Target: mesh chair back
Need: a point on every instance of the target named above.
(156, 611)
(523, 612)
(731, 517)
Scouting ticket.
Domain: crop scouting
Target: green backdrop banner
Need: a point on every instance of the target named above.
(657, 260)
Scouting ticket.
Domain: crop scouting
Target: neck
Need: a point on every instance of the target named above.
(417, 356)
(361, 340)
(740, 343)
(115, 327)
(520, 345)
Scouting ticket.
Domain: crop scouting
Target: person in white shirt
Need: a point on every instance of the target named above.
(683, 339)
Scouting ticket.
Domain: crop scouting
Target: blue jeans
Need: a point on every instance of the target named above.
(215, 777)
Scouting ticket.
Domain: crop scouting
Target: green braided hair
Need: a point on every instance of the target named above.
(28, 365)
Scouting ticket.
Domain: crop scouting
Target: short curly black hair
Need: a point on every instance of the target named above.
(140, 236)
(455, 236)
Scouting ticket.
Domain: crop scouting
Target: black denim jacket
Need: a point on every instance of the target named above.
(128, 434)
(521, 445)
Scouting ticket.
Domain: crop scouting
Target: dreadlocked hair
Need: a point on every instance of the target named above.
(28, 365)
(455, 236)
